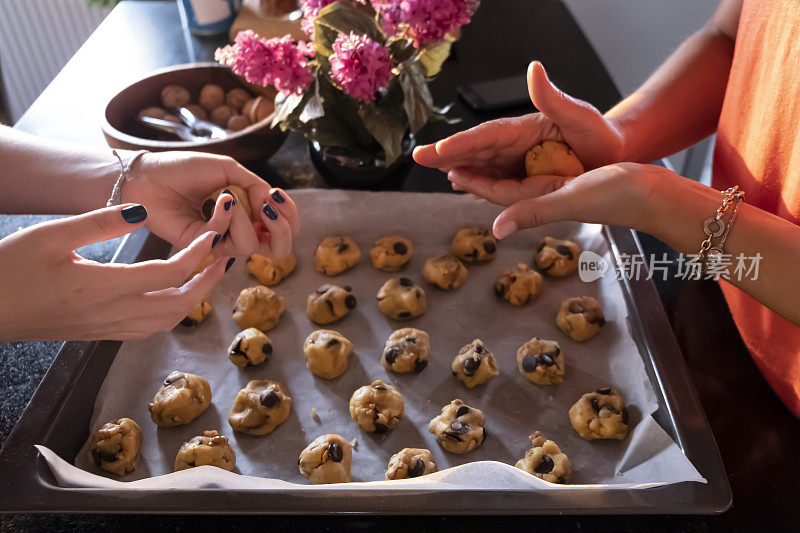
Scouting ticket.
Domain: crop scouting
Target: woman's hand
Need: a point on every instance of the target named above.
(173, 185)
(496, 149)
(51, 293)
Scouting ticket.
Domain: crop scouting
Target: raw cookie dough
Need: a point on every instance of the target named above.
(401, 298)
(116, 446)
(557, 258)
(541, 361)
(260, 407)
(198, 313)
(406, 349)
(175, 96)
(474, 364)
(330, 303)
(326, 460)
(258, 307)
(326, 353)
(376, 407)
(239, 195)
(250, 347)
(518, 284)
(600, 414)
(181, 399)
(411, 462)
(268, 271)
(552, 158)
(545, 460)
(334, 255)
(580, 318)
(446, 272)
(474, 244)
(210, 449)
(459, 428)
(391, 253)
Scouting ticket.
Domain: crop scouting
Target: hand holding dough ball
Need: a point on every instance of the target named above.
(221, 115)
(211, 97)
(239, 196)
(116, 446)
(552, 158)
(175, 96)
(236, 98)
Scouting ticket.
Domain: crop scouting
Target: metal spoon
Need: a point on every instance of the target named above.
(193, 129)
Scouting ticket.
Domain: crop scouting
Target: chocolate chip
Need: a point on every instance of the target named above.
(404, 314)
(406, 282)
(379, 387)
(564, 250)
(330, 305)
(348, 288)
(270, 399)
(471, 366)
(267, 348)
(335, 452)
(173, 377)
(340, 248)
(208, 208)
(188, 322)
(624, 414)
(545, 466)
(512, 279)
(561, 479)
(417, 468)
(381, 428)
(545, 360)
(459, 427)
(400, 248)
(611, 409)
(350, 301)
(484, 434)
(322, 290)
(391, 355)
(420, 365)
(576, 308)
(490, 247)
(604, 390)
(474, 253)
(103, 456)
(418, 293)
(478, 348)
(600, 321)
(462, 411)
(453, 436)
(595, 405)
(499, 290)
(541, 245)
(556, 351)
(409, 340)
(529, 363)
(331, 343)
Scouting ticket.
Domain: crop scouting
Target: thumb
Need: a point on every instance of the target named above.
(94, 226)
(532, 213)
(555, 104)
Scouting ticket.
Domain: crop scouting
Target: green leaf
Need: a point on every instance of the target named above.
(344, 17)
(284, 106)
(433, 57)
(417, 99)
(386, 128)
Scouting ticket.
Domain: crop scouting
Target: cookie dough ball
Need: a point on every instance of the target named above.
(474, 364)
(445, 271)
(250, 347)
(330, 303)
(541, 361)
(326, 353)
(326, 460)
(459, 428)
(116, 446)
(239, 197)
(210, 449)
(198, 313)
(600, 415)
(197, 111)
(557, 258)
(174, 96)
(334, 255)
(580, 318)
(269, 271)
(401, 299)
(545, 460)
(411, 462)
(236, 98)
(221, 115)
(154, 112)
(518, 284)
(552, 158)
(406, 349)
(376, 407)
(237, 123)
(260, 407)
(211, 97)
(391, 253)
(181, 399)
(474, 244)
(258, 109)
(258, 307)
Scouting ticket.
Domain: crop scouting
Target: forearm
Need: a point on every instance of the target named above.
(43, 177)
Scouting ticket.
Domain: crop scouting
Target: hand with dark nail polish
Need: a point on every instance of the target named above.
(278, 197)
(230, 263)
(217, 237)
(134, 214)
(227, 205)
(270, 212)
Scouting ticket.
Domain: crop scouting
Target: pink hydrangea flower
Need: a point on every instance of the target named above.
(426, 21)
(360, 65)
(311, 9)
(279, 61)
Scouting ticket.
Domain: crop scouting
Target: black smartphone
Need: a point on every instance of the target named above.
(494, 95)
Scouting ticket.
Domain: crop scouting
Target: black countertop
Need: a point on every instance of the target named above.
(757, 435)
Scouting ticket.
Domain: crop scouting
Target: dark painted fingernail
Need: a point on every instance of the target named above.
(230, 263)
(217, 237)
(134, 214)
(270, 212)
(278, 197)
(228, 205)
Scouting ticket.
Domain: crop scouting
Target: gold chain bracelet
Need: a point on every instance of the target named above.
(715, 227)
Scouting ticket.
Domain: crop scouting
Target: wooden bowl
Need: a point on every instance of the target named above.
(122, 129)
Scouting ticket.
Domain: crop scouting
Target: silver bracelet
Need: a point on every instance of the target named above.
(116, 192)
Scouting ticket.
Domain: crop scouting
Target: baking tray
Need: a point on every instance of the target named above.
(58, 416)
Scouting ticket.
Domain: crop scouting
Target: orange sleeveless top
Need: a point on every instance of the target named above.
(758, 149)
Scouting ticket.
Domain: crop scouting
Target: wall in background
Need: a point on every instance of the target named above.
(37, 38)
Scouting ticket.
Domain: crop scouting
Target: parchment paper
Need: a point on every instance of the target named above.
(514, 407)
